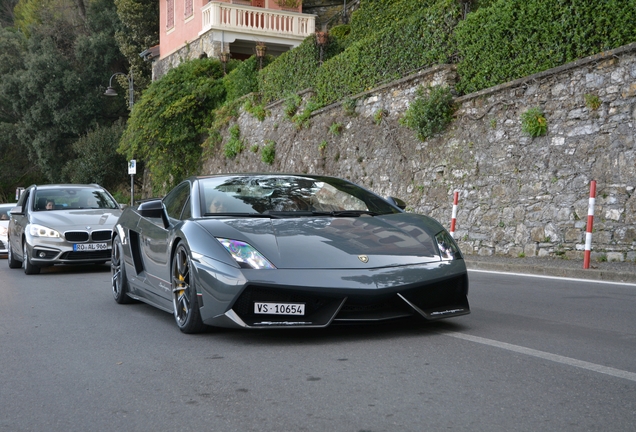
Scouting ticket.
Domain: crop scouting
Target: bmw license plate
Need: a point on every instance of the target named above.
(90, 247)
(279, 308)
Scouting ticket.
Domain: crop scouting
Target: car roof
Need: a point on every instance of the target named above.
(67, 186)
(262, 174)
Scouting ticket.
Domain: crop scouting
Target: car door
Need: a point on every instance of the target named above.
(155, 241)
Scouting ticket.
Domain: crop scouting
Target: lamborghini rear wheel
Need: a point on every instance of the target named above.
(184, 294)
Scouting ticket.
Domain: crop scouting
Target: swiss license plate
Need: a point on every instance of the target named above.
(90, 247)
(279, 308)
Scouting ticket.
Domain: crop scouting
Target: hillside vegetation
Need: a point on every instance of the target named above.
(51, 101)
(496, 42)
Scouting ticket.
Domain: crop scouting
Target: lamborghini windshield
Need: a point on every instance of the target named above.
(281, 195)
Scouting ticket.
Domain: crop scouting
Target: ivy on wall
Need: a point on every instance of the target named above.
(516, 38)
(294, 70)
(418, 41)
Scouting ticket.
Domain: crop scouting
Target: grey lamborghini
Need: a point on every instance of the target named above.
(284, 250)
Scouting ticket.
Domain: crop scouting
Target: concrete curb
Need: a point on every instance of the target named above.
(591, 274)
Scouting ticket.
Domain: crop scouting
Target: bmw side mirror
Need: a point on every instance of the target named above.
(396, 202)
(17, 211)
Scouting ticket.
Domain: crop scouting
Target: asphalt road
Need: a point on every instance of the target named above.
(535, 354)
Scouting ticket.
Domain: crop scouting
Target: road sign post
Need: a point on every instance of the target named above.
(132, 170)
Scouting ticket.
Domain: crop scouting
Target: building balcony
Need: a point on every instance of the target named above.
(259, 23)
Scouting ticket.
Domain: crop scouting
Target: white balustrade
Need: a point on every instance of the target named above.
(239, 18)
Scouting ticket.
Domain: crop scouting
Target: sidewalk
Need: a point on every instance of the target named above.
(605, 271)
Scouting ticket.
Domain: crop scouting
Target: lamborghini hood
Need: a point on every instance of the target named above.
(338, 242)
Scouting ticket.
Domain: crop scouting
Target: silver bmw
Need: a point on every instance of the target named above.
(61, 224)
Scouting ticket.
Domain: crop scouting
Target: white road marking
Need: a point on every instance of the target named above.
(618, 373)
(554, 277)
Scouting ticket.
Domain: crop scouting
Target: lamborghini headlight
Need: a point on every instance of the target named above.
(448, 249)
(42, 231)
(245, 255)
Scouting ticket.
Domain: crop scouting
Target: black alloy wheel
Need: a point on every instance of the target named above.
(184, 294)
(118, 270)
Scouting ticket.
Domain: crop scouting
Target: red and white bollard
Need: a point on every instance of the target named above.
(590, 225)
(454, 215)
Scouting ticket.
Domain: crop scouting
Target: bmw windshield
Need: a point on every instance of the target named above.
(68, 198)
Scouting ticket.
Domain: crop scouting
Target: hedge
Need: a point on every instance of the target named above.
(294, 70)
(421, 40)
(514, 38)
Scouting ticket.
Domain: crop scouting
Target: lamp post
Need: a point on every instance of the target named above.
(260, 53)
(322, 37)
(224, 57)
(110, 91)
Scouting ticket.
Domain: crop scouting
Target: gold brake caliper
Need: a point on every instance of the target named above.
(180, 292)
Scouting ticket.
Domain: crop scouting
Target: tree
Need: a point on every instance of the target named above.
(139, 31)
(58, 95)
(96, 159)
(168, 124)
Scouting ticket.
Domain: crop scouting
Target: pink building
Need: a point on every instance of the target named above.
(195, 28)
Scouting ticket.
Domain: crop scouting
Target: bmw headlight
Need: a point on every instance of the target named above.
(42, 231)
(3, 231)
(245, 255)
(448, 249)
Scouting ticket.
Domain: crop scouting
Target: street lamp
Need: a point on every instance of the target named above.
(110, 91)
(224, 57)
(260, 53)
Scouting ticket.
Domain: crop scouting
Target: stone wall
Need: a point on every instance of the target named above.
(203, 46)
(519, 196)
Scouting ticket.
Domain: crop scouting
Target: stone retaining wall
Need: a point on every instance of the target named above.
(519, 196)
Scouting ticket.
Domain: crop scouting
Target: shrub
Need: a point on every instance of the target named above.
(335, 128)
(592, 101)
(234, 145)
(379, 115)
(256, 109)
(429, 114)
(349, 106)
(533, 122)
(269, 152)
(290, 107)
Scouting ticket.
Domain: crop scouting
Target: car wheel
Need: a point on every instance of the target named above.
(184, 294)
(13, 263)
(118, 269)
(27, 265)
